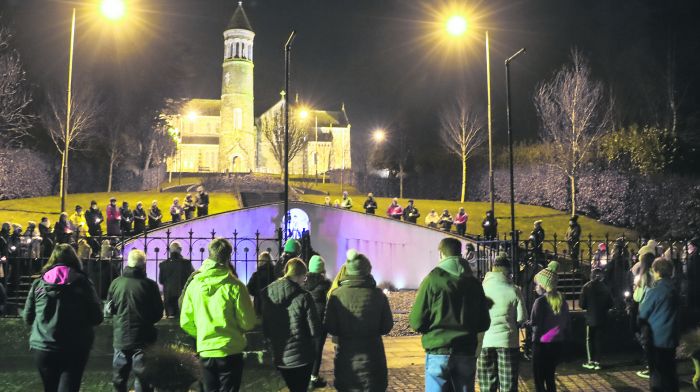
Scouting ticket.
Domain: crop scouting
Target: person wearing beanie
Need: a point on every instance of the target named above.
(550, 325)
(291, 323)
(173, 275)
(490, 225)
(114, 218)
(133, 300)
(358, 314)
(411, 213)
(94, 218)
(573, 241)
(460, 221)
(261, 278)
(498, 363)
(318, 285)
(444, 298)
(370, 204)
(139, 219)
(217, 311)
(537, 242)
(292, 249)
(596, 300)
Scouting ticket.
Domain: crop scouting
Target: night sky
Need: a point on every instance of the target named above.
(382, 58)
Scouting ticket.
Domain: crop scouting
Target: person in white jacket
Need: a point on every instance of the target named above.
(497, 366)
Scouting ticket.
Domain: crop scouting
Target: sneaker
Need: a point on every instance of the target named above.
(597, 366)
(317, 382)
(589, 365)
(643, 373)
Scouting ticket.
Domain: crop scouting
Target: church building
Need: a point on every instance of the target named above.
(224, 135)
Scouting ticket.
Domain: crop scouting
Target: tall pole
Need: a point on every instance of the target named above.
(488, 94)
(287, 55)
(513, 234)
(316, 145)
(64, 166)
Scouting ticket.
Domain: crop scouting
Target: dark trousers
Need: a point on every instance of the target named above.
(574, 251)
(545, 357)
(594, 341)
(123, 362)
(297, 379)
(662, 369)
(171, 307)
(202, 211)
(319, 342)
(222, 374)
(461, 228)
(61, 371)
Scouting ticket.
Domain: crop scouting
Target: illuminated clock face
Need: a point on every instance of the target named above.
(298, 222)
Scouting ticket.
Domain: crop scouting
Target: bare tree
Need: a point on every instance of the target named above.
(15, 96)
(85, 108)
(271, 126)
(461, 133)
(574, 114)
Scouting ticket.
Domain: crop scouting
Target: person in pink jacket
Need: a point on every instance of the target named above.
(460, 221)
(114, 218)
(395, 211)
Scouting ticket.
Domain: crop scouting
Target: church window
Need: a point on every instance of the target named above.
(237, 118)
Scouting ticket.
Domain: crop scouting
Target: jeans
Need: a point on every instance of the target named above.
(297, 379)
(61, 371)
(222, 374)
(319, 342)
(450, 373)
(545, 357)
(123, 362)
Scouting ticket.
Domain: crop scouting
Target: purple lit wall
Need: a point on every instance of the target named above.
(400, 253)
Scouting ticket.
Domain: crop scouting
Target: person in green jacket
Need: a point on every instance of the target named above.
(217, 311)
(357, 315)
(134, 301)
(450, 310)
(290, 321)
(63, 308)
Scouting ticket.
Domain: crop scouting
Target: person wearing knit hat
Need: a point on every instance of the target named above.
(173, 274)
(291, 323)
(358, 314)
(292, 247)
(537, 242)
(550, 325)
(318, 285)
(261, 278)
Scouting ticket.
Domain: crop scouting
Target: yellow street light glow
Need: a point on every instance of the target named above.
(304, 114)
(113, 9)
(456, 25)
(379, 135)
(192, 115)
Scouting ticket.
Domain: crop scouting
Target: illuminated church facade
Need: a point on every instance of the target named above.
(224, 135)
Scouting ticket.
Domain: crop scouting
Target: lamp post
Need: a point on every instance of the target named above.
(113, 10)
(513, 234)
(287, 58)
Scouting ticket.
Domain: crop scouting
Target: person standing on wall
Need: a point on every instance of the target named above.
(139, 219)
(410, 213)
(127, 218)
(460, 221)
(395, 211)
(573, 238)
(537, 242)
(155, 217)
(114, 218)
(202, 202)
(346, 203)
(188, 207)
(490, 226)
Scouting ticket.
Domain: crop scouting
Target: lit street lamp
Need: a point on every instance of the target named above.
(380, 136)
(113, 10)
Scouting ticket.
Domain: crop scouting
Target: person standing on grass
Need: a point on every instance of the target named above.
(411, 213)
(550, 325)
(490, 226)
(596, 300)
(357, 315)
(659, 310)
(176, 211)
(94, 219)
(78, 222)
(537, 242)
(395, 211)
(446, 221)
(318, 285)
(139, 219)
(155, 217)
(346, 203)
(370, 205)
(188, 207)
(63, 309)
(290, 321)
(173, 275)
(62, 230)
(134, 302)
(114, 218)
(217, 311)
(451, 309)
(202, 202)
(127, 218)
(498, 362)
(460, 221)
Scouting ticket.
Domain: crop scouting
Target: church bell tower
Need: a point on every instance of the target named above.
(237, 134)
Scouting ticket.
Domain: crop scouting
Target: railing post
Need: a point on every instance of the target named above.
(145, 242)
(167, 238)
(555, 245)
(235, 246)
(157, 250)
(607, 247)
(190, 234)
(213, 234)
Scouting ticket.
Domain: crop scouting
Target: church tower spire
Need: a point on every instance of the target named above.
(237, 138)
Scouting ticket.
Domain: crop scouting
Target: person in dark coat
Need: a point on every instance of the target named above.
(176, 211)
(537, 242)
(202, 201)
(127, 218)
(94, 219)
(155, 217)
(370, 204)
(490, 226)
(47, 237)
(261, 278)
(693, 272)
(173, 275)
(318, 285)
(62, 308)
(188, 207)
(617, 273)
(357, 315)
(62, 230)
(410, 213)
(134, 302)
(450, 310)
(4, 252)
(139, 219)
(291, 323)
(445, 221)
(114, 218)
(596, 300)
(573, 240)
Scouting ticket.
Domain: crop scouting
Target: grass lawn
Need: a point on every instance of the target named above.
(23, 210)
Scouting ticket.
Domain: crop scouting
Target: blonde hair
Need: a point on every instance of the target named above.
(336, 281)
(555, 300)
(136, 259)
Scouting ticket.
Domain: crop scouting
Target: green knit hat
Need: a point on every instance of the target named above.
(317, 264)
(357, 264)
(547, 278)
(292, 247)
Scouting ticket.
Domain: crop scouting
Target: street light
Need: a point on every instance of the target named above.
(379, 135)
(456, 25)
(113, 10)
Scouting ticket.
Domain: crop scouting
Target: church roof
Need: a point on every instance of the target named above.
(203, 107)
(331, 118)
(239, 20)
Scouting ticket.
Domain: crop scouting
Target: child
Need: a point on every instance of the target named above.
(318, 285)
(550, 323)
(596, 299)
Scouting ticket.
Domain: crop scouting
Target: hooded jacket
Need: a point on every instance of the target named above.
(290, 321)
(507, 311)
(173, 275)
(217, 311)
(135, 302)
(62, 307)
(318, 285)
(450, 309)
